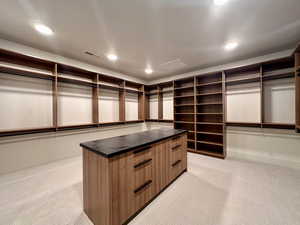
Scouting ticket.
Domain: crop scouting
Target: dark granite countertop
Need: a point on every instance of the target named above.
(110, 147)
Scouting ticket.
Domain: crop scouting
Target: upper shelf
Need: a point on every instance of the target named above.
(210, 84)
(243, 80)
(279, 74)
(183, 88)
(25, 71)
(65, 79)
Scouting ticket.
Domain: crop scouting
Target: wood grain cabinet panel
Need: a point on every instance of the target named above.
(117, 188)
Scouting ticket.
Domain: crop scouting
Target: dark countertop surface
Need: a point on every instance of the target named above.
(110, 147)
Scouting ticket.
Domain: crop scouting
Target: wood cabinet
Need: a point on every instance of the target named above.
(115, 189)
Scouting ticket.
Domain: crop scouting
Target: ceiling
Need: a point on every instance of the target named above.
(171, 36)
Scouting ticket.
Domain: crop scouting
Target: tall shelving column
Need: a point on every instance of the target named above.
(184, 109)
(297, 82)
(122, 95)
(54, 99)
(96, 100)
(210, 115)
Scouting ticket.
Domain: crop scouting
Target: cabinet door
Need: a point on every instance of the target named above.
(160, 165)
(121, 184)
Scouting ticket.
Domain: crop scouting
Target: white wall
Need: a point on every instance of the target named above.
(131, 106)
(280, 95)
(25, 102)
(109, 106)
(20, 152)
(74, 104)
(168, 106)
(153, 107)
(243, 103)
(278, 147)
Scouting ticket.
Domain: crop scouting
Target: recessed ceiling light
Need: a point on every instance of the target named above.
(148, 71)
(231, 45)
(112, 57)
(43, 29)
(220, 2)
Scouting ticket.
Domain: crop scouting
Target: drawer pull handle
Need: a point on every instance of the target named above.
(175, 147)
(175, 138)
(142, 149)
(176, 163)
(143, 186)
(142, 163)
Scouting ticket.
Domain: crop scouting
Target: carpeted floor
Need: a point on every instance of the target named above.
(212, 192)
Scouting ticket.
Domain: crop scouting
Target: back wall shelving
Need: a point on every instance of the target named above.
(44, 96)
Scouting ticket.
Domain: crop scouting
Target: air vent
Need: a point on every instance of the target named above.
(172, 65)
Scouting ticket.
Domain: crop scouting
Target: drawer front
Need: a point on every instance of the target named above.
(178, 156)
(142, 176)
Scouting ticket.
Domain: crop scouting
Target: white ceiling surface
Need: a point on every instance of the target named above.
(171, 36)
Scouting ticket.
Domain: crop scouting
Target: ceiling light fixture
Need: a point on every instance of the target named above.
(112, 57)
(230, 46)
(148, 71)
(220, 2)
(43, 29)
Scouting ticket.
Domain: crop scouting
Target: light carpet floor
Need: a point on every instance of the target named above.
(212, 192)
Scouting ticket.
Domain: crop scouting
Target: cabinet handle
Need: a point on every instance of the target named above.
(143, 186)
(176, 163)
(142, 163)
(141, 149)
(176, 146)
(175, 138)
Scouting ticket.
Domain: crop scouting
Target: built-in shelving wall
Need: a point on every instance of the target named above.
(159, 99)
(297, 82)
(42, 96)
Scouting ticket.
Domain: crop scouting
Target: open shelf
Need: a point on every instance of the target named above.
(183, 88)
(243, 124)
(24, 71)
(209, 103)
(210, 133)
(286, 126)
(243, 80)
(184, 122)
(77, 126)
(184, 105)
(184, 96)
(210, 84)
(211, 93)
(210, 123)
(109, 87)
(75, 81)
(209, 113)
(5, 133)
(209, 143)
(279, 74)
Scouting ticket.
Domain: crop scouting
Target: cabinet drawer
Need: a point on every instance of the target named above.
(178, 141)
(143, 194)
(142, 154)
(176, 168)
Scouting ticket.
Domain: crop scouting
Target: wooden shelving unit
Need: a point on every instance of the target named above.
(158, 90)
(210, 115)
(199, 101)
(279, 69)
(12, 63)
(184, 108)
(297, 88)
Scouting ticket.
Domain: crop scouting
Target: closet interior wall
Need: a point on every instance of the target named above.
(262, 95)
